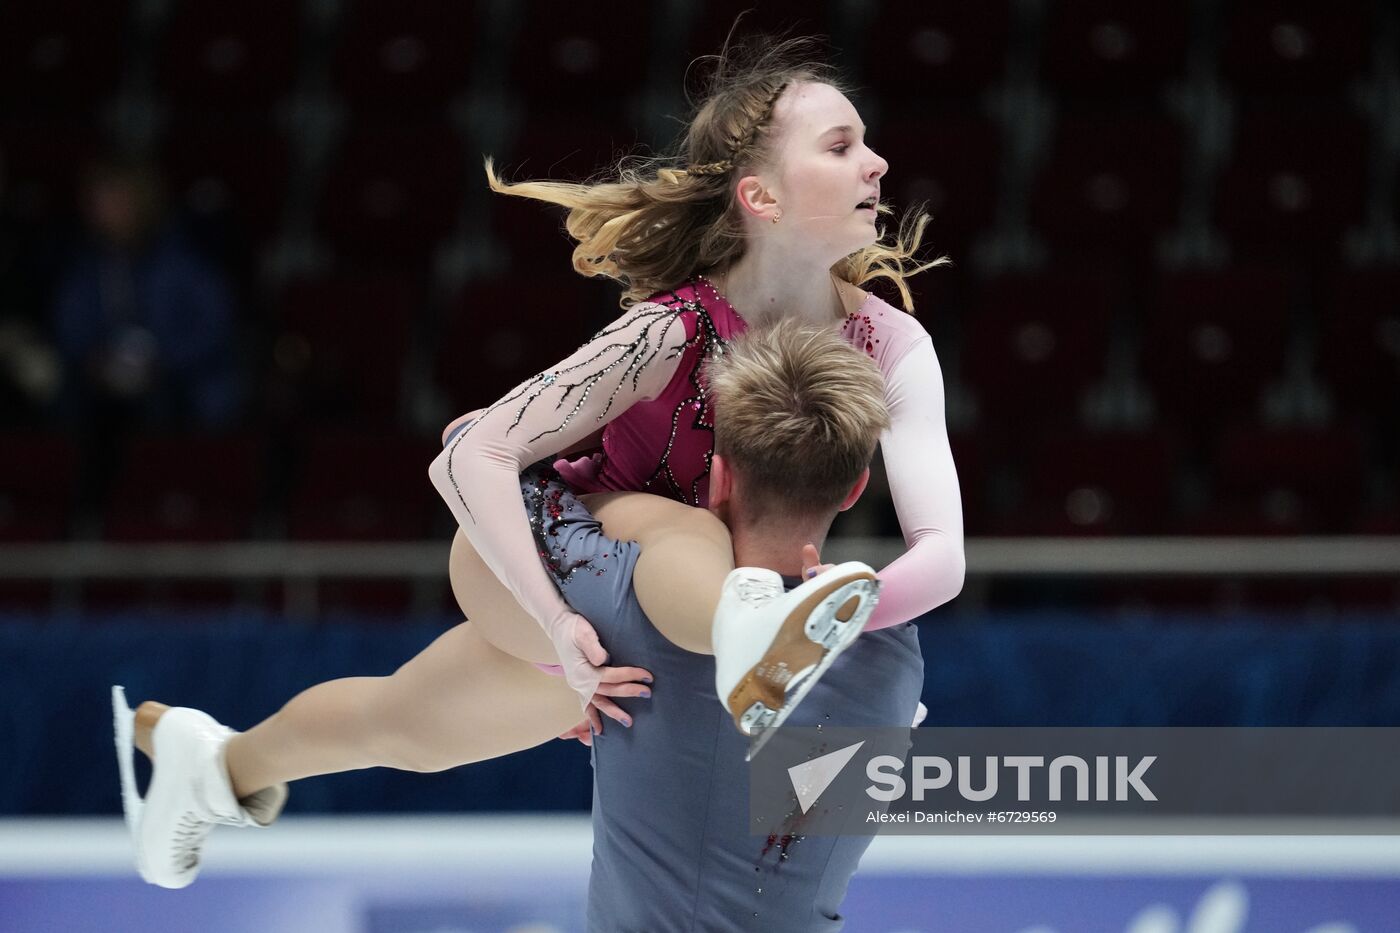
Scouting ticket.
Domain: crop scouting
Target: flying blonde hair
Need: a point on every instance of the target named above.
(657, 221)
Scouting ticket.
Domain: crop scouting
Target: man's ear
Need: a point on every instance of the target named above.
(856, 490)
(754, 197)
(721, 482)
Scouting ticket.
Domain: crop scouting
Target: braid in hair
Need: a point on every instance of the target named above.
(742, 143)
(654, 221)
(722, 167)
(760, 124)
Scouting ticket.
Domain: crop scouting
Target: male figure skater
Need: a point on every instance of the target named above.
(672, 847)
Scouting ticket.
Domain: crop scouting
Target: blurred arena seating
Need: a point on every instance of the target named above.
(1175, 306)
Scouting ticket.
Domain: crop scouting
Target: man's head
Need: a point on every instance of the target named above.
(798, 414)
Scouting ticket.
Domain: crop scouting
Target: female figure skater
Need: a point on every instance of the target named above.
(769, 213)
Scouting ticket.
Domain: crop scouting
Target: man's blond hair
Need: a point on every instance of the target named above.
(798, 414)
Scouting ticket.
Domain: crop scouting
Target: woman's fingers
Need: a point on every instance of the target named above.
(617, 675)
(812, 562)
(612, 710)
(624, 690)
(583, 732)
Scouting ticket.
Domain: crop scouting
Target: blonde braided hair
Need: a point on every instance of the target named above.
(657, 221)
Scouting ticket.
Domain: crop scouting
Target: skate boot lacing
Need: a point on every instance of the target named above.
(758, 592)
(189, 839)
(194, 827)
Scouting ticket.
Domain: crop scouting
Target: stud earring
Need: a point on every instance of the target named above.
(777, 216)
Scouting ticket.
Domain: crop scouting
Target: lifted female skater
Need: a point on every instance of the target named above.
(767, 213)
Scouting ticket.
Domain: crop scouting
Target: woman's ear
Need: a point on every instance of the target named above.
(754, 197)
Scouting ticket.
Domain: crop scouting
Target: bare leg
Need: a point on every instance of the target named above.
(686, 554)
(473, 693)
(460, 700)
(497, 616)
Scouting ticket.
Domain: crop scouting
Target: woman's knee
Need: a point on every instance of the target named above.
(692, 527)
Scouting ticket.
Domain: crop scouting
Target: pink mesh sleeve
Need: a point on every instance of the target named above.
(924, 486)
(632, 359)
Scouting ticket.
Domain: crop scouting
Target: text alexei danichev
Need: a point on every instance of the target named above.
(959, 816)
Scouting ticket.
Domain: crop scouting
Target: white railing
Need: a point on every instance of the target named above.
(300, 567)
(986, 557)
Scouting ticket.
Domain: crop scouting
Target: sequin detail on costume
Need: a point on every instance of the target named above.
(710, 343)
(860, 331)
(545, 508)
(636, 354)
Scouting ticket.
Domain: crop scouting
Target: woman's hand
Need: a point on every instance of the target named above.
(585, 661)
(617, 682)
(812, 562)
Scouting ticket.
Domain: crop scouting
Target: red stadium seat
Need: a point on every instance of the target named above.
(392, 193)
(1107, 50)
(355, 486)
(1358, 347)
(1295, 184)
(1315, 474)
(1110, 186)
(502, 331)
(947, 51)
(387, 601)
(570, 46)
(37, 475)
(1077, 483)
(60, 56)
(157, 595)
(562, 146)
(1214, 340)
(234, 171)
(558, 147)
(1297, 47)
(971, 459)
(341, 346)
(186, 488)
(1278, 515)
(362, 486)
(405, 56)
(1381, 591)
(1034, 343)
(230, 56)
(951, 163)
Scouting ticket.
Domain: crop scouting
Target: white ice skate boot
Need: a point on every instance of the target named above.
(920, 714)
(190, 791)
(771, 646)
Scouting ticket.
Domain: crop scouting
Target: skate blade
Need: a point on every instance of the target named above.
(804, 640)
(123, 727)
(845, 637)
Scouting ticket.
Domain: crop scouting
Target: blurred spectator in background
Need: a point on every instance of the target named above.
(29, 369)
(144, 323)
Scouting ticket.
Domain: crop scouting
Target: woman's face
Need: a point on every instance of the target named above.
(826, 180)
